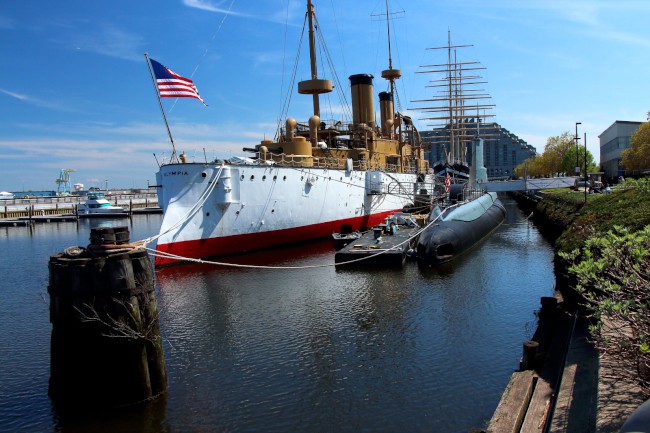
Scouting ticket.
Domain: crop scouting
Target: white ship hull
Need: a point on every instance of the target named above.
(253, 207)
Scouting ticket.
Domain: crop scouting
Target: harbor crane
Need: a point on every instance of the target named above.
(63, 181)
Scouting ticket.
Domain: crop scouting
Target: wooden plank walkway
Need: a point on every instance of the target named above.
(528, 403)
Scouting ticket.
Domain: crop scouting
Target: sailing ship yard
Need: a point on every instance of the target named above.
(397, 188)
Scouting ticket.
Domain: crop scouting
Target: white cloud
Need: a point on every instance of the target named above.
(110, 41)
(211, 7)
(36, 101)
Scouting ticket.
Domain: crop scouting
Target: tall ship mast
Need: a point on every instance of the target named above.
(457, 108)
(317, 177)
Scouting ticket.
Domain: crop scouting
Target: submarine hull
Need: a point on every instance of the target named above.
(443, 241)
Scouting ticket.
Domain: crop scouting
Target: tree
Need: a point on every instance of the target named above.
(555, 150)
(559, 156)
(613, 276)
(637, 157)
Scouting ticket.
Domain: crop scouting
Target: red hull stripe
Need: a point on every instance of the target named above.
(228, 245)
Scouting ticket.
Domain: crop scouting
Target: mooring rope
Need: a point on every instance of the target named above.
(190, 213)
(171, 256)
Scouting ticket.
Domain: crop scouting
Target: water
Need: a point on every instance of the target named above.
(312, 350)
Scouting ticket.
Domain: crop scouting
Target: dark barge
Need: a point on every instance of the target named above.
(385, 245)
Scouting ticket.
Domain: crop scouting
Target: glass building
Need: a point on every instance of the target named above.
(503, 150)
(613, 141)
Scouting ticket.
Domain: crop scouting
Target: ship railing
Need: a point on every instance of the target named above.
(470, 194)
(332, 162)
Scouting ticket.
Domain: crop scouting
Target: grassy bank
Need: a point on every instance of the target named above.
(627, 206)
(603, 256)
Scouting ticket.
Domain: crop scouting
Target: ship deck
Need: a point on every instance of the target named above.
(378, 247)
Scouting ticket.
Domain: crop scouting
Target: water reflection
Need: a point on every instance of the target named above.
(316, 349)
(348, 350)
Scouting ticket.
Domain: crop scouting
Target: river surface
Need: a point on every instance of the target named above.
(282, 350)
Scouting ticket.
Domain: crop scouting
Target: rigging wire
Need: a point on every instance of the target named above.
(284, 60)
(205, 52)
(287, 101)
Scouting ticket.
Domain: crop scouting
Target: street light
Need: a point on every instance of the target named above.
(577, 149)
(586, 175)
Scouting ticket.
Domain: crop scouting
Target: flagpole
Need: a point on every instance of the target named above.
(162, 109)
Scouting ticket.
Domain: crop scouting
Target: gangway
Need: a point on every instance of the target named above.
(530, 184)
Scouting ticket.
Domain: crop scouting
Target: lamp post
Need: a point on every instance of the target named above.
(586, 174)
(577, 150)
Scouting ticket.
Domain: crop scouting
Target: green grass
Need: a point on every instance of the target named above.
(629, 207)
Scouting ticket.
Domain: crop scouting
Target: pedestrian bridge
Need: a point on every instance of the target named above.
(530, 184)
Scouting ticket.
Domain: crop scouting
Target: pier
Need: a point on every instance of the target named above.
(26, 211)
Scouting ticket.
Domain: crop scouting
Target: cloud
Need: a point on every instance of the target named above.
(36, 101)
(211, 7)
(283, 16)
(110, 41)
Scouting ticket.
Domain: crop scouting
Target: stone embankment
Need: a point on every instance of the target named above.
(563, 385)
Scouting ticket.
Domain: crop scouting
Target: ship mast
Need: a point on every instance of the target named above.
(390, 74)
(452, 105)
(314, 86)
(387, 99)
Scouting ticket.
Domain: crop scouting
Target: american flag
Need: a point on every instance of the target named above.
(447, 182)
(172, 85)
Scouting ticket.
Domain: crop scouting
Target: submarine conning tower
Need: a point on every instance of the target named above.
(363, 110)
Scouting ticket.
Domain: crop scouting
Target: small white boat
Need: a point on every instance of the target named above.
(4, 195)
(96, 203)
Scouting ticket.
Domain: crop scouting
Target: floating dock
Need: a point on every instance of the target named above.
(385, 245)
(44, 217)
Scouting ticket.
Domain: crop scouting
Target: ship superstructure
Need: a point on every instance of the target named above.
(316, 178)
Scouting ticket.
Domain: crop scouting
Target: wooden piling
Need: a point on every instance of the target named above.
(106, 348)
(529, 357)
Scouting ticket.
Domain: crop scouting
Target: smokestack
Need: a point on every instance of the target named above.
(387, 113)
(363, 110)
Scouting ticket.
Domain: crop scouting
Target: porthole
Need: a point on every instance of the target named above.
(204, 174)
(275, 178)
(242, 177)
(207, 214)
(284, 178)
(252, 177)
(264, 177)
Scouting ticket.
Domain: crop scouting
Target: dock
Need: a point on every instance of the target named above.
(385, 245)
(564, 384)
(528, 403)
(23, 212)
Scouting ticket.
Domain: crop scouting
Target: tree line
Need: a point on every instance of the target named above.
(565, 153)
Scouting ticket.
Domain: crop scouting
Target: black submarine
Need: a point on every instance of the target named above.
(471, 214)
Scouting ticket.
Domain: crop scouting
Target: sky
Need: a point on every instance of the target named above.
(76, 92)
